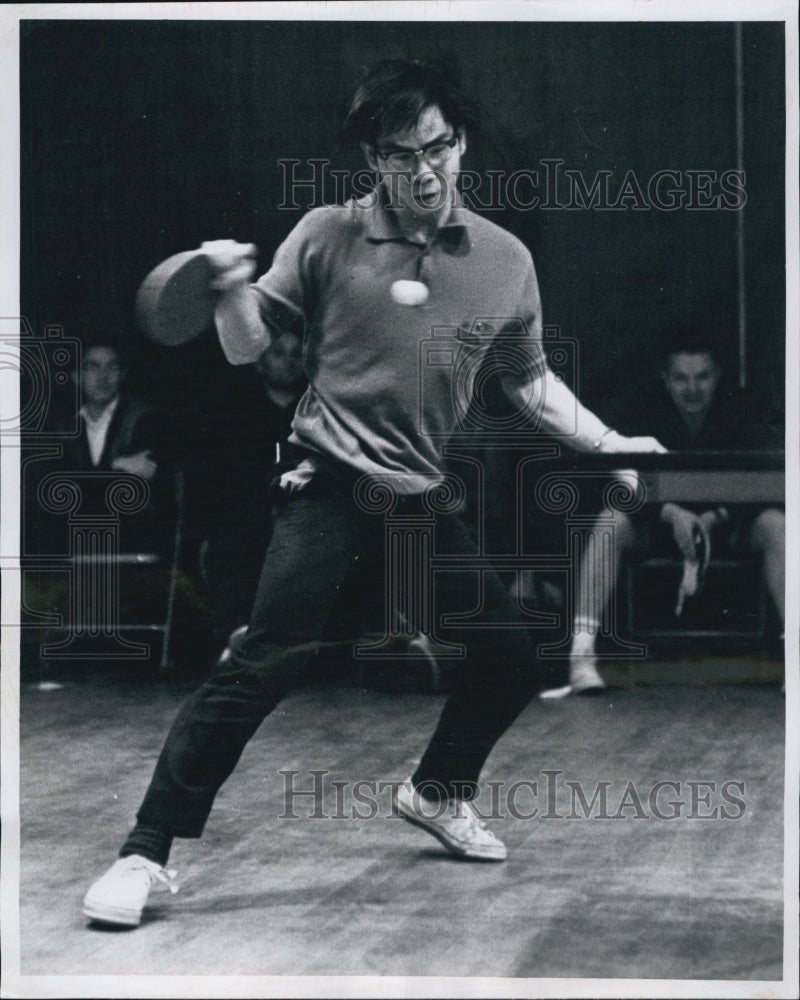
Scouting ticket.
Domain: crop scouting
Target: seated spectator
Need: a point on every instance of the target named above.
(117, 432)
(689, 410)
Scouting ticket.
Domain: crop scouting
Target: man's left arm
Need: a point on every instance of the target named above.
(554, 409)
(142, 444)
(550, 404)
(140, 463)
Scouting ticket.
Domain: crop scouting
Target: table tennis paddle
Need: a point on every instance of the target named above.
(175, 302)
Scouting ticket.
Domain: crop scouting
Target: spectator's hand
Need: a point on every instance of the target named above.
(690, 584)
(232, 263)
(712, 518)
(138, 464)
(687, 529)
(613, 443)
(692, 534)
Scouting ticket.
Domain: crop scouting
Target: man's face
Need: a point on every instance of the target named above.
(691, 380)
(425, 184)
(101, 376)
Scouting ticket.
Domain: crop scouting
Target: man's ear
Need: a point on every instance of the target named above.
(369, 155)
(462, 141)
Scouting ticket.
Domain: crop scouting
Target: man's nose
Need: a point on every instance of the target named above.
(421, 165)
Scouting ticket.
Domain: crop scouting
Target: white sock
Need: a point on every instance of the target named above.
(583, 638)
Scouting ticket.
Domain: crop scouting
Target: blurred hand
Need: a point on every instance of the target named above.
(689, 532)
(613, 443)
(232, 263)
(689, 585)
(138, 464)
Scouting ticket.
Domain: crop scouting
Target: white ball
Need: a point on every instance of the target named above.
(409, 293)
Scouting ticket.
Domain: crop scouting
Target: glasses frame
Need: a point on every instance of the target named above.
(412, 155)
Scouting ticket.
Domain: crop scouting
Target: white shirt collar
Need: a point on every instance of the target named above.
(97, 429)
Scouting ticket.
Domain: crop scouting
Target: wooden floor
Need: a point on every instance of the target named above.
(260, 895)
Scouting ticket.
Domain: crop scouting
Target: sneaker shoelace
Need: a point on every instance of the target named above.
(158, 875)
(467, 816)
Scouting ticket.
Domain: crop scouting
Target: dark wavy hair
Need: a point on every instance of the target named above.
(395, 92)
(114, 343)
(689, 338)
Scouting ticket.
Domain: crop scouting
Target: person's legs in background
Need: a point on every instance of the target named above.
(767, 536)
(597, 580)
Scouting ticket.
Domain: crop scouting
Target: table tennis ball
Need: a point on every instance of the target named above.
(409, 293)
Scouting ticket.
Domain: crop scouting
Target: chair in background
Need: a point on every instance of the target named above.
(112, 567)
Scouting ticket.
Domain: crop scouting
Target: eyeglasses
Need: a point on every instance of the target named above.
(434, 153)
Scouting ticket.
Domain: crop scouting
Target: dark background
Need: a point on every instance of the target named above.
(141, 139)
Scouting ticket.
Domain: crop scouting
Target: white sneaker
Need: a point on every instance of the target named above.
(455, 824)
(118, 897)
(553, 694)
(583, 676)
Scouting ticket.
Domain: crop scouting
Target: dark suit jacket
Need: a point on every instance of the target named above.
(134, 427)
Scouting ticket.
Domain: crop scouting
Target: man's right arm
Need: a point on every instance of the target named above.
(242, 332)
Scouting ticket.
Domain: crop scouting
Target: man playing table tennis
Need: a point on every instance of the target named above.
(400, 295)
(689, 411)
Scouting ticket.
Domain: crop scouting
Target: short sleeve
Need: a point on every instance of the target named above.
(287, 292)
(519, 342)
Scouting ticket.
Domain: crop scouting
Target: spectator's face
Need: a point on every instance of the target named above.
(101, 376)
(691, 381)
(421, 187)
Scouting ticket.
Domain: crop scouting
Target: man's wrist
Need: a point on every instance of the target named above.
(601, 443)
(230, 282)
(242, 333)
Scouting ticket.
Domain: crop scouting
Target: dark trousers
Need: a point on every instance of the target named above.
(324, 551)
